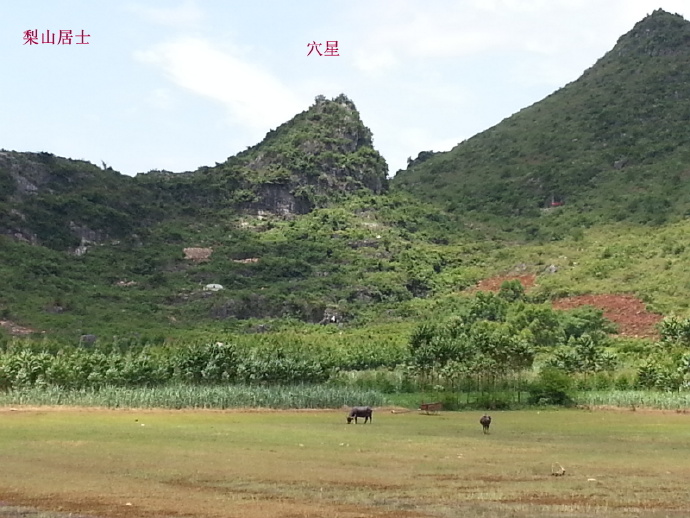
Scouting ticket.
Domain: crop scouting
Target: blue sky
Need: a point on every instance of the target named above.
(180, 84)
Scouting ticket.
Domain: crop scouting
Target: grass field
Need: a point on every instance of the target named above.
(155, 463)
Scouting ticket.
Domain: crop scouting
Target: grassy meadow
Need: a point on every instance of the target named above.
(210, 463)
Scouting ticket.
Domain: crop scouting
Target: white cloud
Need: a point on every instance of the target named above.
(253, 97)
(420, 31)
(187, 13)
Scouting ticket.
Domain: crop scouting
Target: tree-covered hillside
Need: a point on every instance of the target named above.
(298, 226)
(611, 146)
(302, 229)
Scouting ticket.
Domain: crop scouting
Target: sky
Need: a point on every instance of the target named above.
(180, 84)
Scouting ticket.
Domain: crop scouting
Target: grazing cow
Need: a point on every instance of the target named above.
(485, 422)
(360, 411)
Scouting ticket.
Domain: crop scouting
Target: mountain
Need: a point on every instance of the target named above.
(305, 163)
(614, 145)
(297, 226)
(302, 228)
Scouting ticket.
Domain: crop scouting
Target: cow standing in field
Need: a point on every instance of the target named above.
(360, 411)
(485, 421)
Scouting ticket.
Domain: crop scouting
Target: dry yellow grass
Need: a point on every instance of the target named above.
(311, 464)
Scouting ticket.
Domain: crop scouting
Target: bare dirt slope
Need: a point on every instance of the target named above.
(626, 311)
(494, 283)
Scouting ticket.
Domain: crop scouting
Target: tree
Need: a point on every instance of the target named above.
(585, 354)
(488, 306)
(542, 322)
(512, 290)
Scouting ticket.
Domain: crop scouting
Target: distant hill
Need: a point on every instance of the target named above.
(613, 145)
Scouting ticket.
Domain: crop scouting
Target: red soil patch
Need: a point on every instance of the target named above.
(494, 283)
(627, 311)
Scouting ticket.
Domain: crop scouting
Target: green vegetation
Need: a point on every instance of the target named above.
(188, 396)
(329, 278)
(487, 351)
(337, 291)
(635, 399)
(611, 146)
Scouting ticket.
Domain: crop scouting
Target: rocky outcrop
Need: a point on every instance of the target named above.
(301, 165)
(62, 203)
(279, 200)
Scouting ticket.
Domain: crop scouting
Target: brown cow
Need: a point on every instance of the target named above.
(485, 422)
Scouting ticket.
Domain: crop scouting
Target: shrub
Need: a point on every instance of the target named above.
(512, 290)
(551, 388)
(623, 382)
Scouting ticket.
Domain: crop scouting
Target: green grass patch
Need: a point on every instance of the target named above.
(311, 463)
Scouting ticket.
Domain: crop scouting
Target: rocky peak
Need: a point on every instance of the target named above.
(658, 34)
(318, 155)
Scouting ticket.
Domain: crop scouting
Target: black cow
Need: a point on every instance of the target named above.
(485, 422)
(360, 411)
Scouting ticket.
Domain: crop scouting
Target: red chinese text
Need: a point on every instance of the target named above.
(31, 37)
(331, 48)
(63, 37)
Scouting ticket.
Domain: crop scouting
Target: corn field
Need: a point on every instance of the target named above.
(635, 398)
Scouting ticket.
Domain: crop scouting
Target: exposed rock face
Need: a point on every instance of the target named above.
(87, 340)
(332, 316)
(34, 173)
(280, 200)
(197, 254)
(319, 154)
(659, 34)
(20, 175)
(16, 330)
